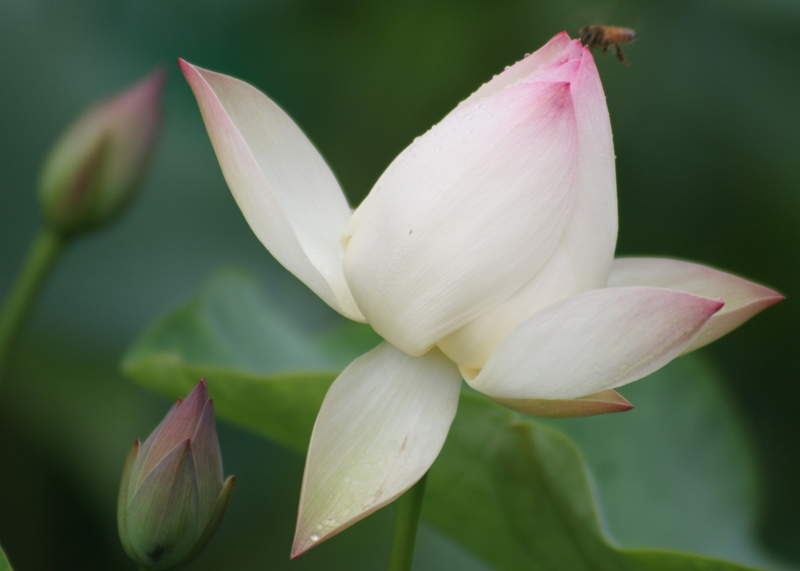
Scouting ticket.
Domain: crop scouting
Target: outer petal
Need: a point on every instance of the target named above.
(381, 426)
(125, 491)
(743, 299)
(594, 341)
(285, 189)
(163, 513)
(465, 216)
(591, 236)
(220, 508)
(583, 258)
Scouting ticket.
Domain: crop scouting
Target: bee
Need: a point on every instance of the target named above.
(596, 36)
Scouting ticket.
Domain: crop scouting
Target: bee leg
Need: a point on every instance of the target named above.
(620, 55)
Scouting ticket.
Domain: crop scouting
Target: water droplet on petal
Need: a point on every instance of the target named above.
(314, 537)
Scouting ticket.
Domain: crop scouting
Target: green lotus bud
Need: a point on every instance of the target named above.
(172, 497)
(98, 164)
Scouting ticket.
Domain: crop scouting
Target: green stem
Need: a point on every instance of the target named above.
(406, 522)
(44, 252)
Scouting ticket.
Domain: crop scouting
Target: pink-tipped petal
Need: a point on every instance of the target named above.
(591, 235)
(167, 498)
(594, 341)
(465, 216)
(583, 257)
(604, 402)
(743, 299)
(179, 425)
(381, 426)
(285, 189)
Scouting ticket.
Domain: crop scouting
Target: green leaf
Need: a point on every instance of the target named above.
(684, 454)
(263, 372)
(512, 491)
(230, 325)
(248, 352)
(4, 564)
(527, 483)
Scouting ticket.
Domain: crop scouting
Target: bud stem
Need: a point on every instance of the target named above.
(406, 523)
(43, 253)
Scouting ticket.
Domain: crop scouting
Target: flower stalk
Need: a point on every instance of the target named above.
(406, 524)
(40, 260)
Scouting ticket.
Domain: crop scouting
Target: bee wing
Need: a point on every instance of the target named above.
(587, 16)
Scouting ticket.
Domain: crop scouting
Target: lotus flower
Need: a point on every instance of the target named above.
(484, 252)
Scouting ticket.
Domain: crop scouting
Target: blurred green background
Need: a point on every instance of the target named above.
(705, 123)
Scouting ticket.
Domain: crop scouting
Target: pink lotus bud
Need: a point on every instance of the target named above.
(172, 496)
(97, 165)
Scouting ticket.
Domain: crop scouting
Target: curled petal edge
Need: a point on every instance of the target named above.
(604, 402)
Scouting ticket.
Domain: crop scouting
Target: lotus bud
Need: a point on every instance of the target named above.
(96, 167)
(172, 496)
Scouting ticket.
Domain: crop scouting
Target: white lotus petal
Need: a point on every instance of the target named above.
(743, 299)
(597, 340)
(285, 189)
(465, 216)
(583, 258)
(472, 345)
(591, 235)
(381, 426)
